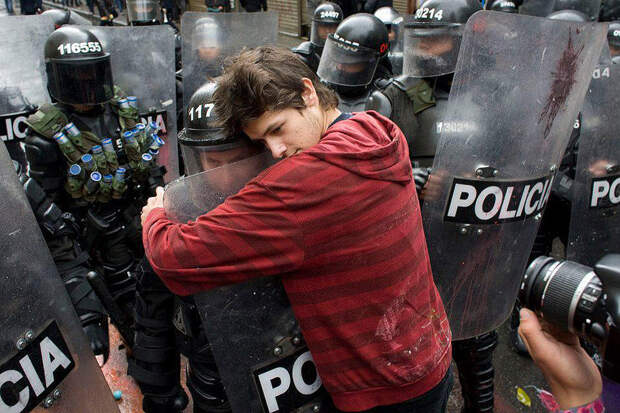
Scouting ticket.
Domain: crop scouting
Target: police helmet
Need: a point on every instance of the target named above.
(352, 53)
(569, 16)
(203, 135)
(392, 20)
(613, 34)
(433, 38)
(506, 6)
(327, 16)
(588, 7)
(78, 68)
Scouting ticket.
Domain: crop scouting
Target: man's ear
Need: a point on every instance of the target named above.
(309, 93)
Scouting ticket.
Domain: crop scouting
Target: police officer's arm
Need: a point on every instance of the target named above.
(252, 234)
(380, 103)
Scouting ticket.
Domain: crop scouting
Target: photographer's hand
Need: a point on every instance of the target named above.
(574, 378)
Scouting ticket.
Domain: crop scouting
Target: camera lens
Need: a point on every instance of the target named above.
(565, 294)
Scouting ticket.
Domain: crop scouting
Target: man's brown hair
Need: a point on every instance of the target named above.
(264, 79)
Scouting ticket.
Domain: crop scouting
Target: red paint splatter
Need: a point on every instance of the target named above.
(563, 81)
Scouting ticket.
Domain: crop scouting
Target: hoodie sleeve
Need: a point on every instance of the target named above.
(252, 234)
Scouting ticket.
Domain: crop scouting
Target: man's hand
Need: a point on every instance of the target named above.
(574, 378)
(154, 202)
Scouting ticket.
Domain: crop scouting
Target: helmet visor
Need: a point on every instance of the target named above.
(431, 49)
(346, 64)
(142, 10)
(320, 31)
(81, 82)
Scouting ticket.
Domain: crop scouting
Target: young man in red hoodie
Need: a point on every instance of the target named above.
(338, 219)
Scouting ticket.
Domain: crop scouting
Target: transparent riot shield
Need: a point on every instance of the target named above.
(509, 116)
(23, 81)
(539, 8)
(45, 357)
(143, 66)
(210, 38)
(595, 210)
(261, 355)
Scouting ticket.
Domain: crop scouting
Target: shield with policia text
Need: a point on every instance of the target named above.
(143, 66)
(45, 357)
(509, 117)
(258, 347)
(23, 81)
(210, 38)
(595, 210)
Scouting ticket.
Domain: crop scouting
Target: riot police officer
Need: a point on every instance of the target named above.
(90, 155)
(161, 315)
(431, 47)
(325, 20)
(613, 38)
(506, 6)
(355, 56)
(393, 21)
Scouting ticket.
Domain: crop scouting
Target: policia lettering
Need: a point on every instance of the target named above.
(491, 202)
(605, 191)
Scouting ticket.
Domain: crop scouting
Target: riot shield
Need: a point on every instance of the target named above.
(539, 8)
(209, 38)
(269, 368)
(503, 134)
(595, 210)
(143, 66)
(23, 81)
(46, 358)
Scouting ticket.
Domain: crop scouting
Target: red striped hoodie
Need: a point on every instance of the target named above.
(340, 223)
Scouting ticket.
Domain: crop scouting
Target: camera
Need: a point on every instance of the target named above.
(574, 297)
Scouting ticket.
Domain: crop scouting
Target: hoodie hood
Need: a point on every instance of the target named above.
(367, 144)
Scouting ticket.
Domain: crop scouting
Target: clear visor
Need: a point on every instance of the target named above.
(431, 49)
(81, 82)
(203, 156)
(347, 65)
(320, 31)
(142, 10)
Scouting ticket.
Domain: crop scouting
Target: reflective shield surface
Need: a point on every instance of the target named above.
(23, 81)
(209, 38)
(595, 211)
(143, 66)
(501, 140)
(261, 355)
(43, 347)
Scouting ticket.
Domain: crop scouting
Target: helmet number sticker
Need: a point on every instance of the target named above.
(426, 13)
(330, 14)
(77, 48)
(198, 109)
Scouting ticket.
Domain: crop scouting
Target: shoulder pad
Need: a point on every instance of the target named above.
(382, 83)
(420, 93)
(380, 103)
(304, 48)
(47, 120)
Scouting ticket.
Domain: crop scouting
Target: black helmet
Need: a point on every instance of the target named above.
(569, 16)
(327, 16)
(202, 133)
(433, 38)
(613, 35)
(392, 20)
(352, 53)
(143, 12)
(78, 69)
(62, 17)
(610, 11)
(207, 33)
(506, 6)
(590, 8)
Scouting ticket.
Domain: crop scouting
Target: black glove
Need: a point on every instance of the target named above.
(420, 178)
(97, 333)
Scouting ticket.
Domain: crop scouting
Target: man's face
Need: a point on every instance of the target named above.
(209, 53)
(352, 68)
(434, 46)
(326, 29)
(225, 178)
